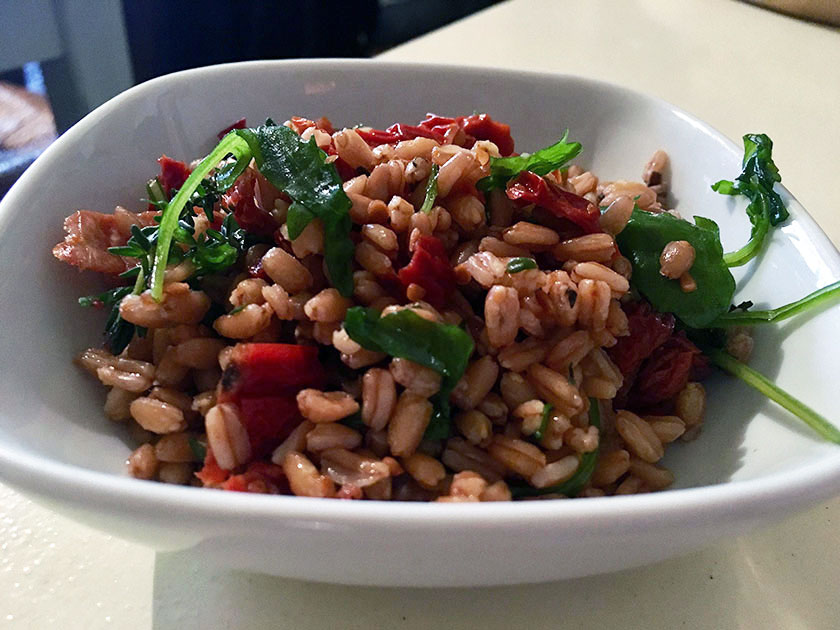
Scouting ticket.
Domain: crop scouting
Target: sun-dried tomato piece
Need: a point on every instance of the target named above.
(173, 173)
(648, 331)
(430, 268)
(529, 188)
(483, 127)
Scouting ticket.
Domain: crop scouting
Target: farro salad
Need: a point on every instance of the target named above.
(418, 313)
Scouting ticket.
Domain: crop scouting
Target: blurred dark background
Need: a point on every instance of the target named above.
(59, 59)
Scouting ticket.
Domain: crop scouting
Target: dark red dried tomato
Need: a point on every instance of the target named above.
(648, 331)
(482, 127)
(173, 174)
(409, 132)
(665, 373)
(260, 477)
(375, 137)
(430, 268)
(242, 198)
(530, 188)
(268, 420)
(239, 124)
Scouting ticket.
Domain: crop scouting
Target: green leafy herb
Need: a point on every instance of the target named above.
(540, 162)
(297, 219)
(766, 208)
(431, 190)
(198, 449)
(515, 265)
(546, 418)
(574, 484)
(299, 169)
(214, 251)
(155, 192)
(354, 421)
(809, 302)
(775, 393)
(231, 144)
(118, 332)
(642, 241)
(108, 298)
(444, 348)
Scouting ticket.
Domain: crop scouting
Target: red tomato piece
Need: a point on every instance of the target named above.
(270, 369)
(242, 197)
(433, 121)
(173, 173)
(665, 373)
(409, 132)
(648, 331)
(375, 137)
(430, 268)
(260, 477)
(239, 124)
(212, 474)
(482, 127)
(530, 188)
(300, 124)
(268, 420)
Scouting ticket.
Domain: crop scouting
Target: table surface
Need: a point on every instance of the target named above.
(736, 66)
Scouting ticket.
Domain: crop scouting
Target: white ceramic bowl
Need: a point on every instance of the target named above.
(753, 462)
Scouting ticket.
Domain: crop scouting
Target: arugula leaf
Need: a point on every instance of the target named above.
(759, 382)
(546, 418)
(574, 484)
(299, 169)
(155, 192)
(766, 208)
(431, 190)
(515, 265)
(642, 242)
(540, 162)
(749, 318)
(444, 348)
(214, 251)
(231, 144)
(118, 332)
(199, 450)
(108, 298)
(297, 219)
(355, 422)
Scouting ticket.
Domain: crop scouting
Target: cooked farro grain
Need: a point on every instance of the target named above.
(427, 471)
(348, 468)
(676, 259)
(610, 467)
(157, 416)
(179, 473)
(478, 380)
(474, 426)
(416, 378)
(332, 435)
(639, 436)
(408, 423)
(304, 479)
(317, 406)
(142, 463)
(227, 436)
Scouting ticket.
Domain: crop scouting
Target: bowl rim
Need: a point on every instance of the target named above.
(748, 498)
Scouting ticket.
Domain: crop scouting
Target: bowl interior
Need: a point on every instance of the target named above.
(50, 408)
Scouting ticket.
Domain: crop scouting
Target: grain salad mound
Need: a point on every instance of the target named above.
(416, 313)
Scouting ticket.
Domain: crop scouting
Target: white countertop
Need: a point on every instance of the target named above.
(738, 67)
